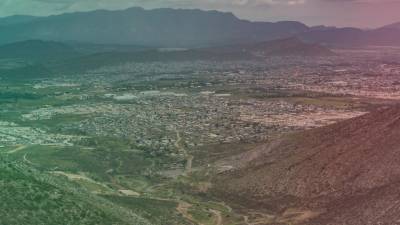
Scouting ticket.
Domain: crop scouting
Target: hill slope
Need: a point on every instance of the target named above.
(32, 197)
(37, 50)
(350, 171)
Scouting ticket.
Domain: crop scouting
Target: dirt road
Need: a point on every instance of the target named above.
(189, 158)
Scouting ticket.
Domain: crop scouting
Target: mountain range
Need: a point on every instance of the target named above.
(158, 27)
(179, 28)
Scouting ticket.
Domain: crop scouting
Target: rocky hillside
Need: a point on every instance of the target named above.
(349, 172)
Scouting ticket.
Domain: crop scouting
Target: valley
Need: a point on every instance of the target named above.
(141, 134)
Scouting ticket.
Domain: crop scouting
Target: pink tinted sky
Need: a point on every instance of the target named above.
(357, 13)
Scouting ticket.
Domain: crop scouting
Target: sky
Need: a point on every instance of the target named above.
(342, 13)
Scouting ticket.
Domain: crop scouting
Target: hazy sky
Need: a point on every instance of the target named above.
(360, 13)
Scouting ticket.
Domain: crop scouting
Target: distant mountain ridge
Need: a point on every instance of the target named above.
(182, 28)
(17, 19)
(158, 27)
(179, 28)
(393, 26)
